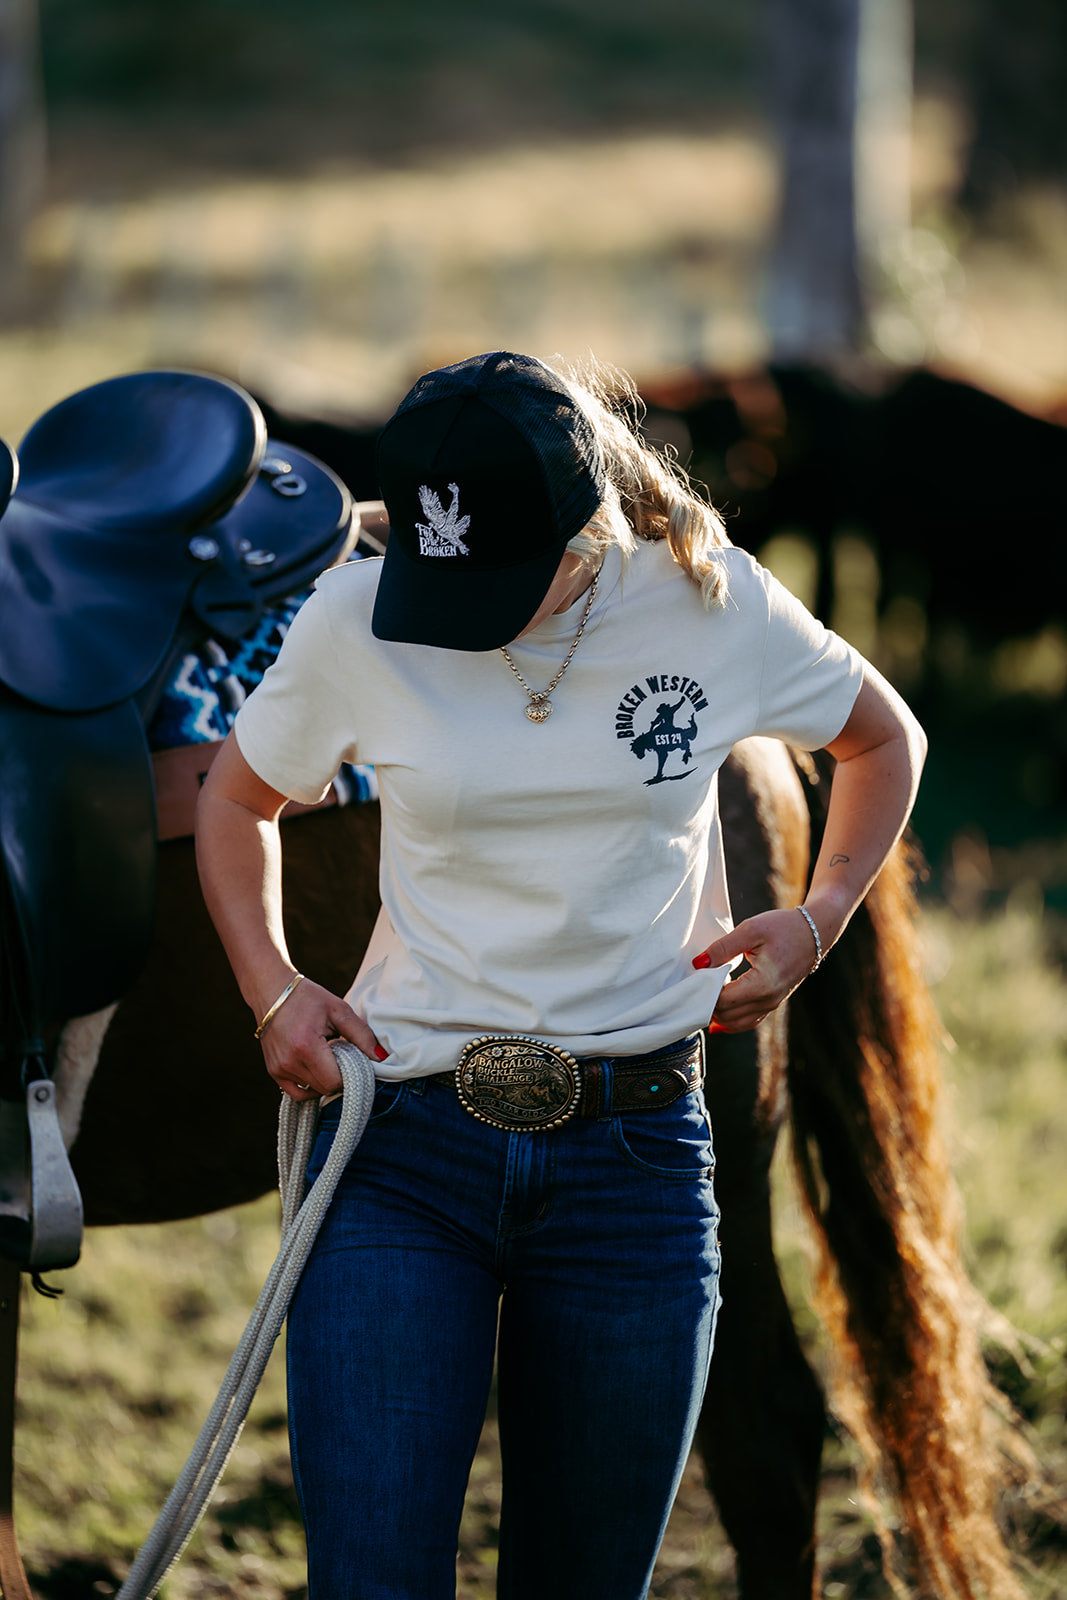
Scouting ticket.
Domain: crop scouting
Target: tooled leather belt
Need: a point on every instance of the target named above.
(515, 1082)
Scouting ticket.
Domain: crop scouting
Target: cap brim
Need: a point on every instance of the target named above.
(458, 609)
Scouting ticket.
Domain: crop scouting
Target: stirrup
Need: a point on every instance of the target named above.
(40, 1203)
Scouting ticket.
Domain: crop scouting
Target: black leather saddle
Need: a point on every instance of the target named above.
(144, 514)
(144, 502)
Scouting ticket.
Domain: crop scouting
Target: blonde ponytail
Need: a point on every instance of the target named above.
(649, 494)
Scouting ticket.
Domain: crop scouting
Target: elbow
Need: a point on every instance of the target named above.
(207, 801)
(201, 813)
(918, 743)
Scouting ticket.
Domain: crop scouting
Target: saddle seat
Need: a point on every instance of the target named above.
(95, 564)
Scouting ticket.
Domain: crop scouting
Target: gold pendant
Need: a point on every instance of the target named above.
(539, 709)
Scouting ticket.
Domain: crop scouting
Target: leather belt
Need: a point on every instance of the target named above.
(518, 1083)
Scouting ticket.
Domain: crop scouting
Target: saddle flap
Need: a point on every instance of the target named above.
(296, 519)
(77, 865)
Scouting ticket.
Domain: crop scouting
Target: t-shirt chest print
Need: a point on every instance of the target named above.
(658, 716)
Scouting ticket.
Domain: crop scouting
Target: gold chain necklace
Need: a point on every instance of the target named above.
(539, 708)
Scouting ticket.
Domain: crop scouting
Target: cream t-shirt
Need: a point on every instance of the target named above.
(551, 879)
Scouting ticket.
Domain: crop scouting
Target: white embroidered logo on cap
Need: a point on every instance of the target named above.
(443, 535)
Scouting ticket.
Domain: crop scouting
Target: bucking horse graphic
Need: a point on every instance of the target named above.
(663, 739)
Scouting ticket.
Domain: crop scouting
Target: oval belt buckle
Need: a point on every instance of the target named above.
(515, 1082)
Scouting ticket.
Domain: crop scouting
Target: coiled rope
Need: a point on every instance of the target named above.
(300, 1224)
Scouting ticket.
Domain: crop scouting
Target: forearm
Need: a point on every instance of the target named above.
(239, 854)
(239, 860)
(879, 755)
(870, 802)
(871, 799)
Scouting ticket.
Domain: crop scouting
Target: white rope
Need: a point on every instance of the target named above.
(300, 1224)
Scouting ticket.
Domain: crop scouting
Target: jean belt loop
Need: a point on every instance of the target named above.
(605, 1110)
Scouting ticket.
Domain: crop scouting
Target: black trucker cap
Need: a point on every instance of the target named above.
(487, 469)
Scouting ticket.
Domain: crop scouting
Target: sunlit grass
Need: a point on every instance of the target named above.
(329, 288)
(1006, 1011)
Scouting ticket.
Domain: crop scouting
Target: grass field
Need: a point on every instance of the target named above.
(117, 1375)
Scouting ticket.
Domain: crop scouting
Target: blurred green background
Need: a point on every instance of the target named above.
(321, 200)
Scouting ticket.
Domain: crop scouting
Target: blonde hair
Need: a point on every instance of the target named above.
(649, 495)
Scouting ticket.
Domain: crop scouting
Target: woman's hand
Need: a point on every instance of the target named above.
(780, 950)
(296, 1041)
(238, 852)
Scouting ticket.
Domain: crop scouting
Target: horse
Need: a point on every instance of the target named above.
(851, 1062)
(886, 456)
(890, 458)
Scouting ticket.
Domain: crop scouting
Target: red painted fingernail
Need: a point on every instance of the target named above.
(380, 1053)
(716, 1027)
(702, 960)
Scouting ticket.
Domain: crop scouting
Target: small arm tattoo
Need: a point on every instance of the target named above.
(836, 860)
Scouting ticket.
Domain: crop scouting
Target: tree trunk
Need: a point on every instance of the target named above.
(839, 84)
(22, 157)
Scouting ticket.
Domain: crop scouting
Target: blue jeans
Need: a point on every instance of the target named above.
(596, 1243)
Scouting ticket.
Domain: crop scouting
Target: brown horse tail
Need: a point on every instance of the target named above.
(910, 1384)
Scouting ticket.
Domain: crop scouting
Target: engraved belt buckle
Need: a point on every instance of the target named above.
(515, 1082)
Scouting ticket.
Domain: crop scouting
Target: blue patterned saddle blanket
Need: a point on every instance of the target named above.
(197, 708)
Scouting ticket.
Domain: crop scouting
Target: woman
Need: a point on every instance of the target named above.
(555, 936)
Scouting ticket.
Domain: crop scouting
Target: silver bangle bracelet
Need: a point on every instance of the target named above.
(809, 919)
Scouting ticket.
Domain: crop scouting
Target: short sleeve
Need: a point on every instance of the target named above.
(810, 676)
(295, 729)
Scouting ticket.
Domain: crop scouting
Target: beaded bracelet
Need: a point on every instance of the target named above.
(282, 998)
(809, 919)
